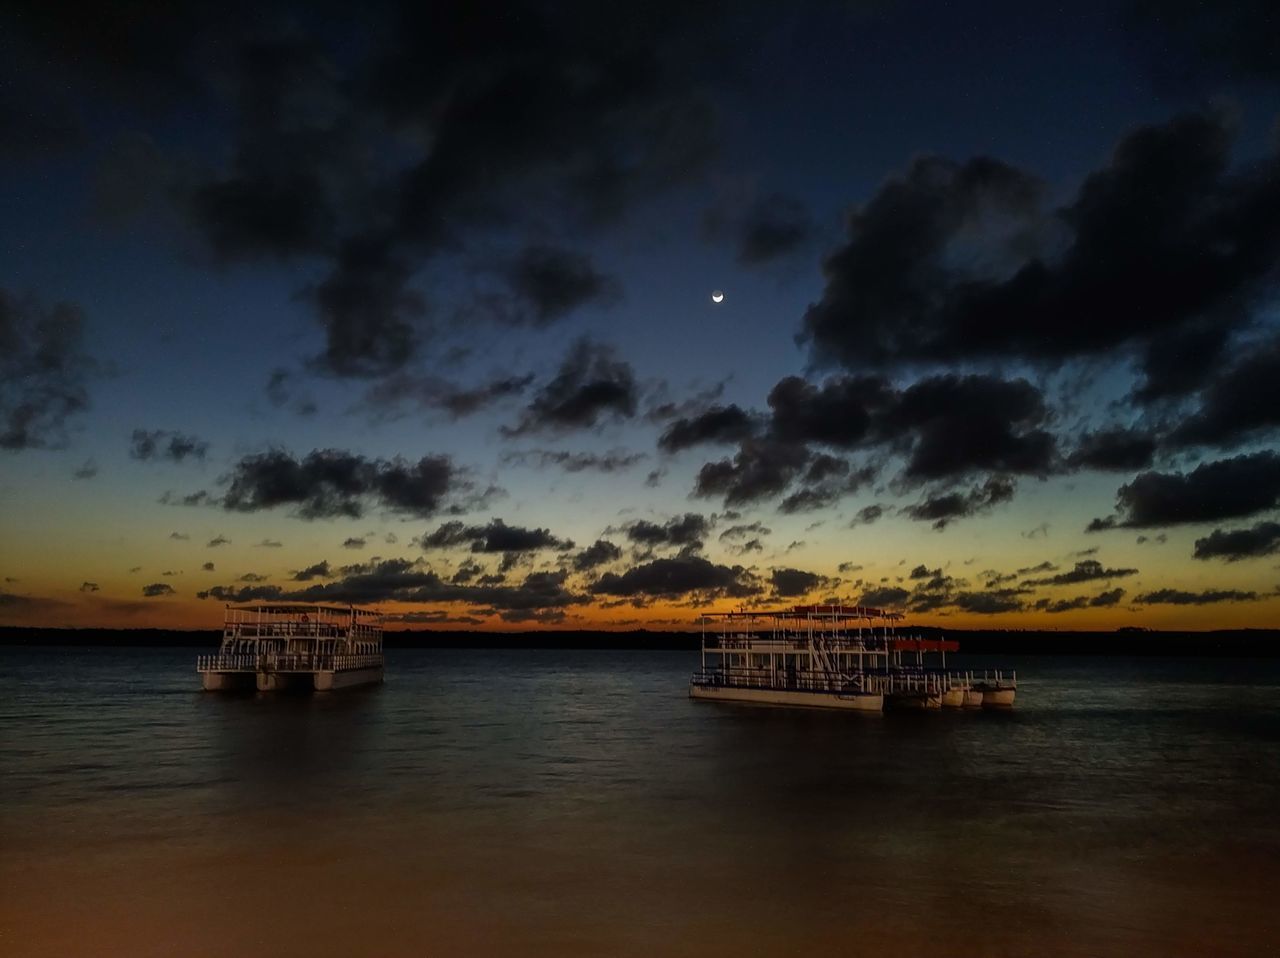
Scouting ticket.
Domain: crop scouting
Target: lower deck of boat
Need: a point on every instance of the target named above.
(855, 701)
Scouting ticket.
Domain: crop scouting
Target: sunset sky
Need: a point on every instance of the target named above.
(410, 306)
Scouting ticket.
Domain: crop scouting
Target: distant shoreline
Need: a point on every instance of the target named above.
(1227, 642)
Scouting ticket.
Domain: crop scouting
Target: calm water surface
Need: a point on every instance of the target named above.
(551, 803)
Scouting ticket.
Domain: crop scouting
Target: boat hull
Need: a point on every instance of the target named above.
(998, 698)
(972, 699)
(953, 698)
(847, 701)
(915, 700)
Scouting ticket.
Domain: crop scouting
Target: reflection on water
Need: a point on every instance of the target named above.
(556, 803)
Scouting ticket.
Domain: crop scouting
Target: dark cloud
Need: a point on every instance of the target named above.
(598, 553)
(198, 498)
(156, 589)
(716, 424)
(217, 541)
(885, 597)
(207, 567)
(252, 577)
(388, 397)
(944, 508)
(829, 481)
(248, 593)
(1159, 251)
(689, 529)
(991, 602)
(354, 542)
(839, 413)
(497, 536)
(88, 587)
(744, 530)
(1115, 450)
(788, 583)
(44, 371)
(179, 536)
(1224, 489)
(867, 515)
(963, 424)
(590, 387)
(1086, 570)
(327, 483)
(1241, 403)
(400, 580)
(442, 127)
(759, 470)
(318, 571)
(1102, 600)
(1045, 566)
(367, 310)
(548, 284)
(1233, 545)
(676, 576)
(762, 229)
(157, 444)
(268, 544)
(1207, 597)
(615, 460)
(947, 426)
(87, 471)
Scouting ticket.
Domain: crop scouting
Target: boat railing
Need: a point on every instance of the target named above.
(286, 662)
(225, 662)
(798, 681)
(916, 683)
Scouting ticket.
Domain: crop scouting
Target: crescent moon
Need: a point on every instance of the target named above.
(717, 296)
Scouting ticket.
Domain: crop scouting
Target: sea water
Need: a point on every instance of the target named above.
(578, 803)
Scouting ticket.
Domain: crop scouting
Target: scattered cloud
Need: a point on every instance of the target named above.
(152, 445)
(1224, 489)
(616, 460)
(601, 552)
(1086, 570)
(497, 536)
(44, 372)
(944, 508)
(678, 576)
(591, 387)
(790, 583)
(331, 483)
(1233, 545)
(1206, 597)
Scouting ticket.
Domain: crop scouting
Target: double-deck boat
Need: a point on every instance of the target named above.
(293, 645)
(835, 656)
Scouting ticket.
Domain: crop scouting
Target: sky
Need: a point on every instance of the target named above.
(410, 306)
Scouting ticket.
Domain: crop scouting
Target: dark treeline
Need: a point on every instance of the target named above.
(1237, 642)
